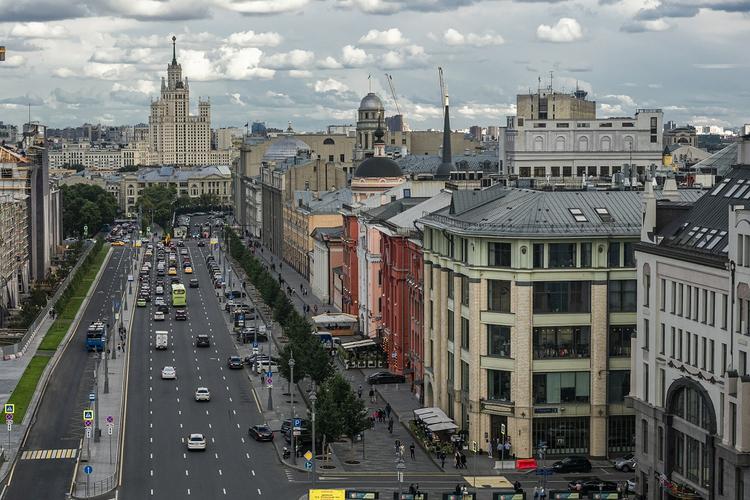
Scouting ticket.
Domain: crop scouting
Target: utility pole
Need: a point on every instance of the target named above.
(96, 398)
(313, 399)
(291, 392)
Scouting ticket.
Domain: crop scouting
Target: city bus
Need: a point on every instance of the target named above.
(179, 297)
(96, 336)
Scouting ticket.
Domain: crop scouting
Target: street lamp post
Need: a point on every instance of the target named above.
(291, 392)
(400, 468)
(313, 399)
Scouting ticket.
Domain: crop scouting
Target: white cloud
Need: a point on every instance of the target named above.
(716, 66)
(226, 63)
(330, 63)
(142, 86)
(64, 73)
(13, 61)
(624, 100)
(262, 7)
(455, 37)
(354, 57)
(475, 110)
(387, 38)
(155, 10)
(114, 55)
(102, 71)
(330, 85)
(38, 30)
(236, 98)
(294, 59)
(639, 26)
(300, 73)
(611, 109)
(253, 39)
(567, 29)
(336, 114)
(411, 56)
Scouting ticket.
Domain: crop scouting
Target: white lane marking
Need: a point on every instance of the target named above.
(216, 455)
(151, 456)
(184, 455)
(243, 440)
(180, 426)
(247, 455)
(179, 412)
(238, 426)
(152, 472)
(186, 472)
(188, 490)
(150, 440)
(220, 473)
(178, 400)
(224, 490)
(206, 412)
(209, 425)
(259, 493)
(234, 412)
(152, 492)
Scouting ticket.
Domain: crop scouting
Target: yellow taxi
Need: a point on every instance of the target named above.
(172, 271)
(118, 244)
(188, 270)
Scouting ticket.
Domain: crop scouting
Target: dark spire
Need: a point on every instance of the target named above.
(379, 133)
(174, 50)
(444, 170)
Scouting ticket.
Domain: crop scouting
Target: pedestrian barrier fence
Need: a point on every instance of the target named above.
(89, 489)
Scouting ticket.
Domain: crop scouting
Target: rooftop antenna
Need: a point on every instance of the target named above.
(539, 84)
(550, 81)
(369, 82)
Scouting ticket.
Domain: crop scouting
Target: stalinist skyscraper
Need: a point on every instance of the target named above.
(176, 137)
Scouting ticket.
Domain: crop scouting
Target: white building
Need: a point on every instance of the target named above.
(83, 154)
(689, 374)
(175, 136)
(581, 147)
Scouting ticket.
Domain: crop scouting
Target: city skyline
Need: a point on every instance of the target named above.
(267, 61)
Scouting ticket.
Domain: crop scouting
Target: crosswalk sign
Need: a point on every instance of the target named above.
(88, 414)
(10, 408)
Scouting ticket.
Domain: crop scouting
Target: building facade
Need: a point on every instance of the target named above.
(690, 385)
(530, 306)
(327, 255)
(548, 104)
(83, 154)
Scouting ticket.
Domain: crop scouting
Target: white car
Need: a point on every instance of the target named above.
(158, 316)
(168, 372)
(196, 442)
(202, 394)
(265, 366)
(159, 290)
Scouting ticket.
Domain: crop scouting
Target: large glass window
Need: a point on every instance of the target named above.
(465, 290)
(562, 342)
(498, 296)
(465, 377)
(451, 369)
(498, 385)
(562, 297)
(451, 286)
(621, 433)
(629, 251)
(562, 435)
(567, 387)
(622, 296)
(499, 254)
(451, 325)
(585, 254)
(562, 255)
(613, 255)
(618, 386)
(464, 333)
(538, 249)
(498, 341)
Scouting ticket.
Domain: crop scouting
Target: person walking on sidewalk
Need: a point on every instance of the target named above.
(390, 426)
(411, 450)
(441, 455)
(388, 410)
(359, 391)
(372, 395)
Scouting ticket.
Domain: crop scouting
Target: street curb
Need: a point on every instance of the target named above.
(30, 416)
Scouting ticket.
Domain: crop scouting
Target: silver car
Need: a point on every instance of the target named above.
(626, 463)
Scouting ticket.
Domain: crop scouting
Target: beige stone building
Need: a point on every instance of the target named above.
(548, 104)
(530, 304)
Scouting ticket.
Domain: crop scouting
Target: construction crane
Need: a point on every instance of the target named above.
(443, 89)
(395, 100)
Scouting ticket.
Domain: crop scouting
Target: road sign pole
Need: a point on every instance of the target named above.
(96, 401)
(88, 445)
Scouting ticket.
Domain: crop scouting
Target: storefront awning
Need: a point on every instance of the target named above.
(358, 344)
(442, 426)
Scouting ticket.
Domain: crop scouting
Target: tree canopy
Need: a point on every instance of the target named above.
(86, 205)
(158, 200)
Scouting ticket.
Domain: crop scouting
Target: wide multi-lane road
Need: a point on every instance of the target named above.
(161, 414)
(47, 458)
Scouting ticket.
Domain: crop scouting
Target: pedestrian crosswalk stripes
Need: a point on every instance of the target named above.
(49, 454)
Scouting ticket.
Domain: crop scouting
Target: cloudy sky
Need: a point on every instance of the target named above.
(308, 61)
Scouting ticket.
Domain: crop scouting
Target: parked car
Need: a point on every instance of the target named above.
(196, 442)
(626, 463)
(385, 378)
(586, 485)
(572, 464)
(234, 362)
(261, 433)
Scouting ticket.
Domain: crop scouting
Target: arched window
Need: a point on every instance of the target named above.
(560, 144)
(329, 141)
(583, 144)
(606, 143)
(628, 143)
(538, 143)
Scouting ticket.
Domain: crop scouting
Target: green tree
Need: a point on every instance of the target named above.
(158, 201)
(340, 411)
(86, 205)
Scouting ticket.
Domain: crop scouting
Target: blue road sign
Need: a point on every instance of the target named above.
(544, 472)
(269, 374)
(308, 465)
(297, 422)
(92, 396)
(88, 469)
(255, 344)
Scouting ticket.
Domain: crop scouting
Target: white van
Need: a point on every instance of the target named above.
(162, 340)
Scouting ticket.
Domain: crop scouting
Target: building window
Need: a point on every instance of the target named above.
(618, 386)
(645, 382)
(711, 355)
(613, 255)
(498, 341)
(562, 255)
(644, 435)
(586, 254)
(662, 339)
(498, 296)
(562, 342)
(621, 433)
(567, 387)
(646, 334)
(451, 285)
(451, 369)
(662, 294)
(622, 296)
(538, 249)
(465, 377)
(563, 435)
(673, 302)
(465, 290)
(499, 254)
(562, 297)
(619, 340)
(720, 476)
(451, 325)
(724, 301)
(646, 289)
(660, 442)
(464, 333)
(498, 385)
(629, 251)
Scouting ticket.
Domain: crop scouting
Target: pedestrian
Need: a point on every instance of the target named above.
(489, 450)
(542, 493)
(390, 426)
(456, 460)
(517, 486)
(301, 289)
(463, 461)
(499, 448)
(372, 422)
(536, 492)
(388, 410)
(458, 489)
(359, 391)
(411, 450)
(372, 395)
(315, 308)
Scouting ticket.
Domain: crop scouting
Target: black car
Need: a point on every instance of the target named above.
(202, 340)
(174, 280)
(234, 362)
(180, 314)
(385, 378)
(572, 464)
(234, 294)
(163, 308)
(586, 485)
(260, 433)
(201, 243)
(194, 283)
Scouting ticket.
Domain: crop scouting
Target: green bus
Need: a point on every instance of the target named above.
(179, 296)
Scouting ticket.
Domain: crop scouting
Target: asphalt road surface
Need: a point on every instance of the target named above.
(161, 414)
(58, 424)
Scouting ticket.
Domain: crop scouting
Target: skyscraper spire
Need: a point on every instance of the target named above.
(174, 50)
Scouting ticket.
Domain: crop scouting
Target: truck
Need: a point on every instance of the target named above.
(162, 340)
(96, 336)
(180, 232)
